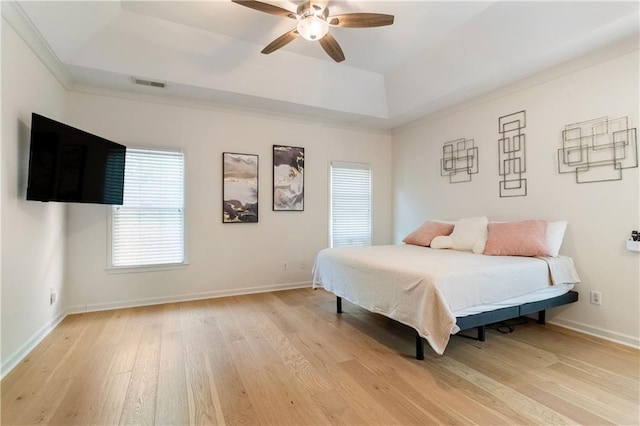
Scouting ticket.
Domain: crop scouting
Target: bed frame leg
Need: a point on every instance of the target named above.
(541, 317)
(419, 347)
(481, 336)
(339, 304)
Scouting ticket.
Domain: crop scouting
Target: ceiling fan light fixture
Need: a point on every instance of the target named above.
(313, 24)
(313, 28)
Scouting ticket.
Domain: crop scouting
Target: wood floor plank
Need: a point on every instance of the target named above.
(445, 394)
(561, 405)
(377, 361)
(618, 407)
(287, 358)
(276, 315)
(600, 407)
(233, 396)
(425, 390)
(337, 410)
(401, 408)
(86, 390)
(45, 357)
(361, 404)
(229, 327)
(534, 412)
(295, 395)
(203, 395)
(254, 341)
(301, 368)
(40, 408)
(271, 399)
(109, 402)
(587, 350)
(140, 400)
(171, 401)
(275, 398)
(534, 381)
(625, 388)
(248, 417)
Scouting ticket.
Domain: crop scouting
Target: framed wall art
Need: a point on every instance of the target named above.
(240, 188)
(288, 178)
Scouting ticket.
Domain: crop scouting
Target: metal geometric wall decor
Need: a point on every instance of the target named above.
(598, 150)
(459, 160)
(512, 157)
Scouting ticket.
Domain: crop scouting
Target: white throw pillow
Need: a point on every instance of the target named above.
(554, 236)
(442, 242)
(470, 234)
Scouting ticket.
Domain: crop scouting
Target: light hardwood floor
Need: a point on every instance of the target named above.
(287, 358)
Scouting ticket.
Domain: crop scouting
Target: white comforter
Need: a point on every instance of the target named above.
(422, 287)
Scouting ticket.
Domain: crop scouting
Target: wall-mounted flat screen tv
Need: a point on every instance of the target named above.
(70, 165)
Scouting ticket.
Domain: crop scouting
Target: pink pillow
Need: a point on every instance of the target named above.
(526, 238)
(427, 232)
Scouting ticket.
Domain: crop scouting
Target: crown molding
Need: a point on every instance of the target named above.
(16, 18)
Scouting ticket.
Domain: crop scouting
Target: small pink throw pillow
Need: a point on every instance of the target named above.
(526, 238)
(427, 232)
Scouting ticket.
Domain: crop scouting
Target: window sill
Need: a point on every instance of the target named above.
(145, 268)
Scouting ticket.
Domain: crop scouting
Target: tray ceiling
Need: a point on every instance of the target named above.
(435, 55)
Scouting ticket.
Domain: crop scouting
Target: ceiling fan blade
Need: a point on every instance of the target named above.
(331, 46)
(360, 20)
(267, 8)
(281, 41)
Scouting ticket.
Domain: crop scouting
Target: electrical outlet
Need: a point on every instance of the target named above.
(285, 265)
(596, 297)
(53, 296)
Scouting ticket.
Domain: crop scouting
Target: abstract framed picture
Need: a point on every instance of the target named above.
(240, 188)
(288, 178)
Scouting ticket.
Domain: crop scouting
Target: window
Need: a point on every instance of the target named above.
(350, 218)
(148, 229)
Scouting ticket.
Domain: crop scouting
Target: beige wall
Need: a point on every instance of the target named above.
(224, 258)
(33, 233)
(600, 215)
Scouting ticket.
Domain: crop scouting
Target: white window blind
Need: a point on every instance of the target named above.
(148, 229)
(350, 204)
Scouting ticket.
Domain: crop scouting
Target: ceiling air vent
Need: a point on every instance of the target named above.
(149, 83)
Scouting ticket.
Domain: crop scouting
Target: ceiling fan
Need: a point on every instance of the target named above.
(314, 22)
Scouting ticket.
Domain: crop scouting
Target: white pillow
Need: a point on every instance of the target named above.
(442, 242)
(554, 236)
(470, 234)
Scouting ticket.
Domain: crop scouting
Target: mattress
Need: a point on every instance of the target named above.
(535, 296)
(423, 287)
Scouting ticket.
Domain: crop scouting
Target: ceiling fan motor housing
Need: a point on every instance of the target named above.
(312, 21)
(306, 9)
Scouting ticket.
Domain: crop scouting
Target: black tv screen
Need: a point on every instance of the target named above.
(70, 165)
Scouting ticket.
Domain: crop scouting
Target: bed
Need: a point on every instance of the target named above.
(440, 292)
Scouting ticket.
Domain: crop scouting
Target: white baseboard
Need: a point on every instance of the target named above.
(601, 333)
(184, 297)
(38, 337)
(21, 353)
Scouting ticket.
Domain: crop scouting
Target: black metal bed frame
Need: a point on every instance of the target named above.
(479, 321)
